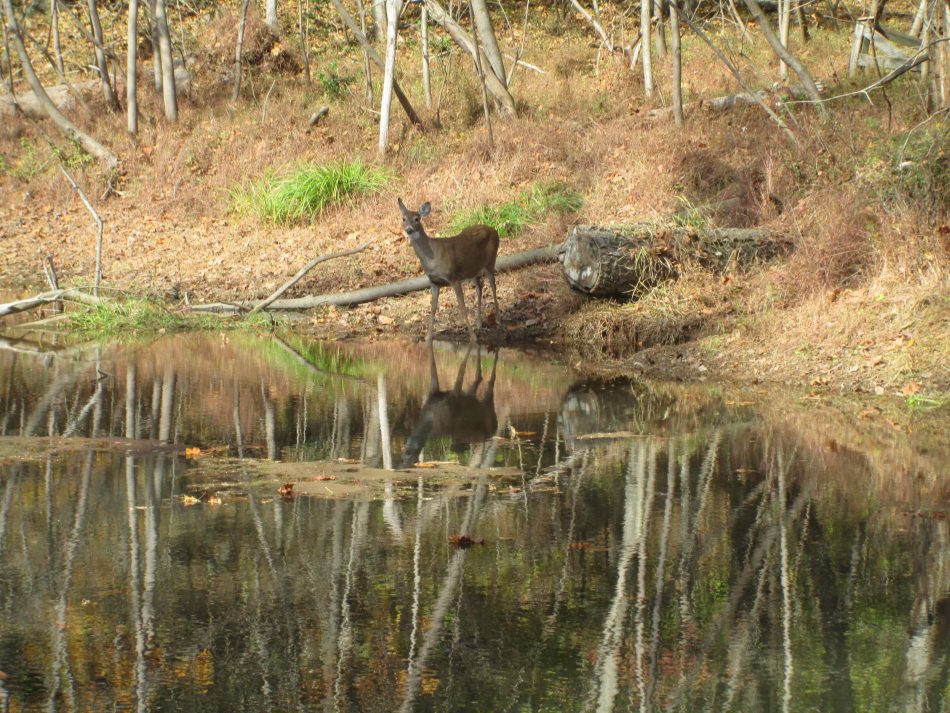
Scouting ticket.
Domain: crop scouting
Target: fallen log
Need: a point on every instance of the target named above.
(45, 298)
(627, 261)
(369, 294)
(776, 95)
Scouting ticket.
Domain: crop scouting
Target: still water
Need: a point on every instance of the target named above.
(571, 546)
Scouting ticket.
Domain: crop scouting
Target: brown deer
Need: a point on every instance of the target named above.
(470, 255)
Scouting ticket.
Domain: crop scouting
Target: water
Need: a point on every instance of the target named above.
(645, 547)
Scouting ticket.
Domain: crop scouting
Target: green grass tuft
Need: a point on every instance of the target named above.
(144, 316)
(307, 191)
(528, 208)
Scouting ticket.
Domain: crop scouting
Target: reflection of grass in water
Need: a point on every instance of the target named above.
(319, 355)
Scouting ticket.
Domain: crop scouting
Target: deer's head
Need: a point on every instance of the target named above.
(412, 220)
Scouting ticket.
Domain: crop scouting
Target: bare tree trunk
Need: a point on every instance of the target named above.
(304, 40)
(480, 70)
(595, 23)
(377, 60)
(378, 10)
(9, 56)
(57, 46)
(238, 50)
(804, 76)
(784, 20)
(271, 15)
(426, 83)
(168, 64)
(130, 65)
(677, 66)
(107, 90)
(98, 221)
(488, 41)
(156, 49)
(367, 64)
(645, 7)
(926, 69)
(496, 88)
(658, 12)
(392, 25)
(738, 76)
(88, 143)
(918, 24)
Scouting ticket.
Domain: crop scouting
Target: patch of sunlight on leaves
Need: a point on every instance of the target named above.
(307, 191)
(528, 208)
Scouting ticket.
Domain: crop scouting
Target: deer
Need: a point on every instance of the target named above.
(450, 261)
(458, 413)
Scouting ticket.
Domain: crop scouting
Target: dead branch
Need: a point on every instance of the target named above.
(95, 216)
(29, 303)
(368, 294)
(303, 271)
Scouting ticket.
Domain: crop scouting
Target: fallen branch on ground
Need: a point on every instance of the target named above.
(303, 271)
(29, 303)
(394, 289)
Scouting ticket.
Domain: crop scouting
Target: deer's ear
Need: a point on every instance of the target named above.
(401, 205)
(425, 209)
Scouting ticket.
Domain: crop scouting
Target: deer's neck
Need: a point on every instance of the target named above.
(423, 247)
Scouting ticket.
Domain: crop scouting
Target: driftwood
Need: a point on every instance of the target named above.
(45, 298)
(626, 261)
(394, 289)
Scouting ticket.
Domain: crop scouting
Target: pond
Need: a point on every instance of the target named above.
(224, 522)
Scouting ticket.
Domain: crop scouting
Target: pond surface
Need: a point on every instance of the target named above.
(565, 546)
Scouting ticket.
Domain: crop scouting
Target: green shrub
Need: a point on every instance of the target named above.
(528, 208)
(333, 83)
(308, 191)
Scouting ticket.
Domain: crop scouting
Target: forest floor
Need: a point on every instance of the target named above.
(861, 305)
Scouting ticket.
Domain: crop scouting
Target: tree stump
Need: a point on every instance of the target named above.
(627, 261)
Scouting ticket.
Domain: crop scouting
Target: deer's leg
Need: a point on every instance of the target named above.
(457, 286)
(434, 289)
(478, 300)
(494, 296)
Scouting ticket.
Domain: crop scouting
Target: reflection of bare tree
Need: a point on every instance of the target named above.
(60, 661)
(168, 400)
(9, 407)
(342, 427)
(447, 593)
(345, 639)
(640, 474)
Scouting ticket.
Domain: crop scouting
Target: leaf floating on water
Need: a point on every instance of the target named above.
(188, 500)
(192, 452)
(214, 500)
(464, 541)
(286, 491)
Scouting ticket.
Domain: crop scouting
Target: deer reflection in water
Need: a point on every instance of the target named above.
(458, 413)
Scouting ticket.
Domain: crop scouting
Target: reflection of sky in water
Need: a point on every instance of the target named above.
(644, 548)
